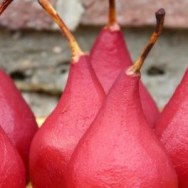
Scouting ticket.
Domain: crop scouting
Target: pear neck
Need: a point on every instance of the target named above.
(81, 77)
(113, 27)
(125, 92)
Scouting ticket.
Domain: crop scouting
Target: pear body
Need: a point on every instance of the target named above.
(54, 143)
(172, 129)
(108, 57)
(16, 118)
(12, 170)
(119, 150)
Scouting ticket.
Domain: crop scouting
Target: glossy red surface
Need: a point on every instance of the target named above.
(12, 170)
(54, 143)
(16, 118)
(109, 56)
(119, 150)
(172, 129)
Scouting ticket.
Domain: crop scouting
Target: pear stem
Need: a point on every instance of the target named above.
(76, 51)
(112, 12)
(4, 5)
(160, 15)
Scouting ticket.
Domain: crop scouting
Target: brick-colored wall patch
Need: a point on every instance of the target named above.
(24, 14)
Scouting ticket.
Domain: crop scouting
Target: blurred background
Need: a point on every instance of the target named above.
(37, 56)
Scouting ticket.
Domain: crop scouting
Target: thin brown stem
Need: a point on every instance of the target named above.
(112, 12)
(4, 5)
(76, 51)
(160, 15)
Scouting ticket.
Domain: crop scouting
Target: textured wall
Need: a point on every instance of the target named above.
(28, 14)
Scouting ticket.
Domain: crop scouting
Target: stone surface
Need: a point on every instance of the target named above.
(137, 12)
(25, 14)
(28, 14)
(22, 14)
(71, 11)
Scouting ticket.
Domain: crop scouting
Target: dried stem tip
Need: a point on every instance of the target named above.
(76, 51)
(4, 5)
(160, 15)
(112, 12)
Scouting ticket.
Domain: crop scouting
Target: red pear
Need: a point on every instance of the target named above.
(16, 118)
(12, 171)
(54, 143)
(119, 150)
(172, 129)
(109, 56)
(4, 5)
